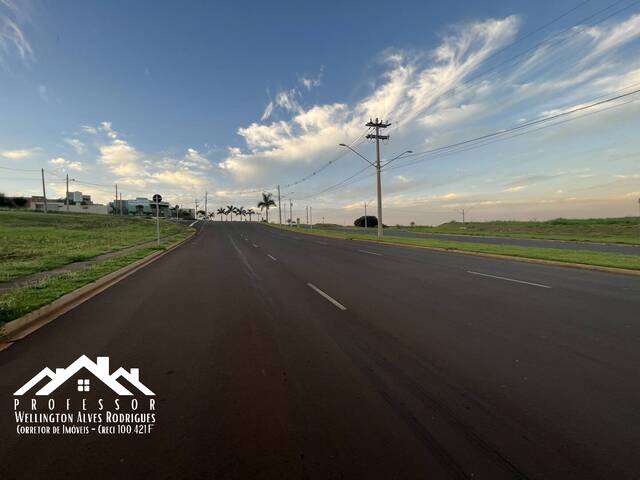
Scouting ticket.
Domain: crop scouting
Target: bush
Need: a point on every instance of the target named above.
(371, 221)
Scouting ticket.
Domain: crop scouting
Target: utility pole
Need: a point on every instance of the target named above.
(311, 217)
(206, 195)
(115, 203)
(306, 210)
(290, 212)
(279, 209)
(462, 215)
(197, 207)
(66, 199)
(121, 209)
(44, 192)
(378, 125)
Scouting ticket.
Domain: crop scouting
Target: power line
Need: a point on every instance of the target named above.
(495, 136)
(515, 128)
(558, 41)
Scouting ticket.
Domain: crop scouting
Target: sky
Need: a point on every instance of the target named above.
(235, 98)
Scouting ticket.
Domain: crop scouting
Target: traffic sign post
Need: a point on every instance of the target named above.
(157, 198)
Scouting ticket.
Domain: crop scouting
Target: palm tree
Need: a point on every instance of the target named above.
(251, 213)
(212, 216)
(230, 210)
(221, 211)
(243, 212)
(266, 203)
(236, 210)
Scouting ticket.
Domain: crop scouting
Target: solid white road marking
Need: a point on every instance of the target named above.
(335, 302)
(509, 279)
(192, 224)
(370, 253)
(272, 257)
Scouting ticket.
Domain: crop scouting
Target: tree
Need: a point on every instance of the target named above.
(200, 213)
(221, 211)
(230, 210)
(251, 213)
(266, 203)
(371, 221)
(242, 212)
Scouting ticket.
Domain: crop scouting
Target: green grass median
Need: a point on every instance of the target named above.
(623, 230)
(32, 242)
(602, 259)
(22, 300)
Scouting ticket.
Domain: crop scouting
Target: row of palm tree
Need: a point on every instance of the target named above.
(229, 211)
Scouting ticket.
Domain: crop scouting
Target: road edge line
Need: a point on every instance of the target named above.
(23, 326)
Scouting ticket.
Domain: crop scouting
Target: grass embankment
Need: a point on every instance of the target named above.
(611, 260)
(625, 230)
(95, 234)
(33, 242)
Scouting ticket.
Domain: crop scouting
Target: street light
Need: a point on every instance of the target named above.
(378, 168)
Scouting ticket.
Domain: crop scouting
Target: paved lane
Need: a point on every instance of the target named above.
(522, 242)
(436, 366)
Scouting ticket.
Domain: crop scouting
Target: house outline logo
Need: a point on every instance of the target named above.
(99, 369)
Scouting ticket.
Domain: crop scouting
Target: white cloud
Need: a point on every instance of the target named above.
(267, 112)
(12, 37)
(62, 163)
(19, 154)
(88, 129)
(76, 144)
(310, 82)
(517, 188)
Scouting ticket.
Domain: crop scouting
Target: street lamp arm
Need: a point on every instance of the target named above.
(357, 153)
(397, 157)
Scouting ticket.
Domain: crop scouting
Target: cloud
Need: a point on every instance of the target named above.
(19, 154)
(517, 188)
(407, 89)
(12, 37)
(267, 111)
(62, 163)
(88, 129)
(76, 144)
(310, 82)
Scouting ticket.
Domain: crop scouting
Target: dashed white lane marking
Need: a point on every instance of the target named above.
(192, 224)
(272, 257)
(332, 300)
(370, 253)
(509, 279)
(254, 245)
(322, 243)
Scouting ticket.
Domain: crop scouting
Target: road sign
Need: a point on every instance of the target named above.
(157, 198)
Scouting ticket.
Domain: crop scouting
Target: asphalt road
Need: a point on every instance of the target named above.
(522, 242)
(282, 355)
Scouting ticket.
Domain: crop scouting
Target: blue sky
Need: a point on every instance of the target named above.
(186, 97)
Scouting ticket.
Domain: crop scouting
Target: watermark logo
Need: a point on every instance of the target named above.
(98, 408)
(99, 369)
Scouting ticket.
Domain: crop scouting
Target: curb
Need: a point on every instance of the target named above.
(539, 261)
(21, 327)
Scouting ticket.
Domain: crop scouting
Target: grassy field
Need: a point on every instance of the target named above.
(22, 300)
(33, 242)
(612, 260)
(624, 230)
